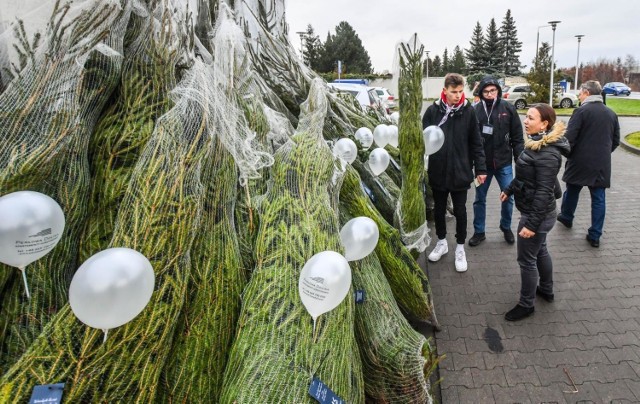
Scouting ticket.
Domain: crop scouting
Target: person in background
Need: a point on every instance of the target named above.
(594, 133)
(451, 169)
(502, 137)
(536, 189)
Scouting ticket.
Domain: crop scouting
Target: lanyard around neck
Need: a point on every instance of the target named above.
(490, 112)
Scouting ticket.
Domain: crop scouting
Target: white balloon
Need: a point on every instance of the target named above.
(378, 161)
(380, 135)
(346, 149)
(111, 288)
(426, 162)
(395, 117)
(359, 237)
(31, 224)
(392, 135)
(365, 137)
(433, 138)
(324, 282)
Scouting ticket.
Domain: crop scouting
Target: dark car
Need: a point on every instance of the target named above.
(616, 88)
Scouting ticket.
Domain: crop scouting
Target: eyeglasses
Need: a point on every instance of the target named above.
(487, 92)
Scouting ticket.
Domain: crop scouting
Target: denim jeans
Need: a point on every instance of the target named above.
(504, 176)
(598, 208)
(459, 199)
(535, 261)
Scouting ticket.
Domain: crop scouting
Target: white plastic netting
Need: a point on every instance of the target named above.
(168, 127)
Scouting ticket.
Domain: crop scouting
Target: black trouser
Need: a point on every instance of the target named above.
(534, 260)
(459, 199)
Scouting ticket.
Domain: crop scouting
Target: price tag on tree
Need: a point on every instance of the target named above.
(47, 394)
(323, 394)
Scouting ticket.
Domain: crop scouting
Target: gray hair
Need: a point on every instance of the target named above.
(593, 87)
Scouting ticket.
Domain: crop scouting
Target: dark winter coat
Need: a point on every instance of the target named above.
(451, 167)
(594, 133)
(536, 187)
(507, 139)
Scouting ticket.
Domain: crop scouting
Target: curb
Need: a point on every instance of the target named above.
(628, 146)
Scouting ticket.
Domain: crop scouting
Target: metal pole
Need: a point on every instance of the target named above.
(427, 89)
(302, 35)
(537, 42)
(553, 49)
(575, 83)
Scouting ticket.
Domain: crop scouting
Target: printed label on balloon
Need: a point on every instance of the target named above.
(314, 288)
(39, 242)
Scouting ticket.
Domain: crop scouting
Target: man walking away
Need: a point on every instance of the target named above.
(502, 138)
(451, 169)
(594, 133)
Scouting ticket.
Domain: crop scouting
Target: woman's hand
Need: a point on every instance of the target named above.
(526, 233)
(503, 196)
(481, 179)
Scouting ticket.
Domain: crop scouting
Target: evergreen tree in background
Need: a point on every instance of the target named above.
(346, 46)
(435, 70)
(312, 49)
(510, 45)
(446, 63)
(538, 78)
(476, 54)
(458, 64)
(493, 50)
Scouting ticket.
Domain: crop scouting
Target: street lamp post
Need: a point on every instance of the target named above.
(553, 49)
(575, 83)
(537, 42)
(427, 89)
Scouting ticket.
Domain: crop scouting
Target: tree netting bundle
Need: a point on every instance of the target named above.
(47, 114)
(276, 354)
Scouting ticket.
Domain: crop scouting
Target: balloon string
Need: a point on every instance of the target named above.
(24, 279)
(314, 328)
(106, 331)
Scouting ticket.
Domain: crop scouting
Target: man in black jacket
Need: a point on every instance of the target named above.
(502, 138)
(451, 168)
(594, 133)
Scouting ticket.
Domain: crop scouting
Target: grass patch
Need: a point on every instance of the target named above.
(621, 106)
(633, 139)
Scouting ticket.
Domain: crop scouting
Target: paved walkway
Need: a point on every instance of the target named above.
(589, 337)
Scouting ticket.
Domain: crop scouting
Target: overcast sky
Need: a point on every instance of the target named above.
(611, 27)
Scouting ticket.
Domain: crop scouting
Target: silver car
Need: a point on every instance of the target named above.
(517, 95)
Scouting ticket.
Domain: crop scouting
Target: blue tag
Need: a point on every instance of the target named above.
(360, 295)
(323, 394)
(47, 394)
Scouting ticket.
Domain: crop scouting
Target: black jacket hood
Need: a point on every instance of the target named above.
(486, 81)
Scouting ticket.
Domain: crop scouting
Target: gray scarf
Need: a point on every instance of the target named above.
(592, 98)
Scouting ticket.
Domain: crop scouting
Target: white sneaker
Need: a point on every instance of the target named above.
(441, 249)
(461, 261)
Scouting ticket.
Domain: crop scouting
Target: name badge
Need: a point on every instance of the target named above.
(487, 129)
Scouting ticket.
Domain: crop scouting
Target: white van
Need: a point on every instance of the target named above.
(366, 96)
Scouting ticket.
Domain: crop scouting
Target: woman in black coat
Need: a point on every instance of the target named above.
(535, 189)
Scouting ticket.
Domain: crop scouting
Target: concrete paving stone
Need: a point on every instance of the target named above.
(552, 394)
(565, 358)
(467, 320)
(634, 386)
(614, 283)
(462, 332)
(571, 285)
(629, 302)
(545, 342)
(456, 378)
(569, 341)
(452, 319)
(447, 361)
(636, 367)
(484, 377)
(594, 284)
(627, 314)
(623, 354)
(630, 292)
(450, 395)
(511, 395)
(570, 328)
(513, 344)
(449, 347)
(456, 309)
(590, 357)
(598, 340)
(470, 360)
(586, 394)
(535, 358)
(592, 315)
(480, 395)
(483, 308)
(519, 376)
(579, 294)
(603, 373)
(622, 326)
(594, 328)
(549, 375)
(628, 338)
(476, 345)
(615, 392)
(499, 359)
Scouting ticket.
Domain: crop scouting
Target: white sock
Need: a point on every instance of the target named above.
(460, 247)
